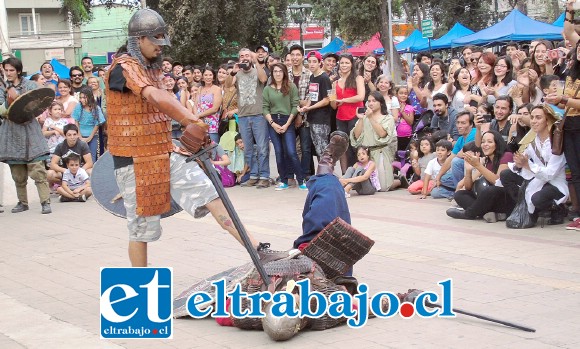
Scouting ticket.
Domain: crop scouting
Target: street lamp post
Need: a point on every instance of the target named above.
(300, 14)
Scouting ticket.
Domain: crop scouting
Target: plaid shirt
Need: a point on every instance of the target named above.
(303, 84)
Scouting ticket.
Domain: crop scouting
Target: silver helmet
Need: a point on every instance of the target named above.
(280, 329)
(149, 23)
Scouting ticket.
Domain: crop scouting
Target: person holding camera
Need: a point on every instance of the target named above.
(250, 80)
(375, 129)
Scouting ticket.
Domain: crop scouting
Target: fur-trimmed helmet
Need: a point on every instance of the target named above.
(149, 23)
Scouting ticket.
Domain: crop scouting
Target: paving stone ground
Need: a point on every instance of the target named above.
(49, 273)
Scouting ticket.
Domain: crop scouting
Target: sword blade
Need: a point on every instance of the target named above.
(215, 179)
(484, 317)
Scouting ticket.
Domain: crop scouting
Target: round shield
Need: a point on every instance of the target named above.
(106, 191)
(30, 104)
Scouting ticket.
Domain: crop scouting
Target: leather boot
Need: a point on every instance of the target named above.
(336, 147)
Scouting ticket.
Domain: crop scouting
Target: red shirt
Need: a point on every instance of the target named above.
(346, 111)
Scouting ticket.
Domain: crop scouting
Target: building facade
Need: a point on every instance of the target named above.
(105, 33)
(38, 32)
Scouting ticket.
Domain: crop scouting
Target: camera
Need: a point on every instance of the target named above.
(486, 118)
(243, 66)
(361, 110)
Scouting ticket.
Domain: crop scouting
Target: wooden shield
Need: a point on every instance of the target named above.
(30, 104)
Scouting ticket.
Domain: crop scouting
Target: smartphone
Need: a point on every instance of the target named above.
(486, 118)
(361, 110)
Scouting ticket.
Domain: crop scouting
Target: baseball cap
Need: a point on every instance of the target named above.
(263, 47)
(315, 54)
(330, 54)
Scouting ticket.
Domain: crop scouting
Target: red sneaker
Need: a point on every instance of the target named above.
(575, 225)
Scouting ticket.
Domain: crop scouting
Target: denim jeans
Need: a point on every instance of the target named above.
(285, 148)
(93, 146)
(458, 170)
(306, 152)
(254, 130)
(441, 192)
(214, 137)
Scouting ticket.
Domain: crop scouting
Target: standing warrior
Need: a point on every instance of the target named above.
(149, 169)
(22, 145)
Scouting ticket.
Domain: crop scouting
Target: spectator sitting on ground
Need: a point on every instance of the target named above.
(464, 123)
(375, 129)
(442, 120)
(363, 176)
(419, 161)
(487, 201)
(238, 165)
(72, 143)
(445, 190)
(76, 185)
(547, 190)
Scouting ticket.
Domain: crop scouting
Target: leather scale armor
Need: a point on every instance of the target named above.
(139, 130)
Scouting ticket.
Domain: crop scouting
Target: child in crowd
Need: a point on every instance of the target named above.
(53, 126)
(419, 161)
(443, 150)
(404, 117)
(88, 116)
(238, 165)
(549, 85)
(220, 161)
(75, 181)
(363, 177)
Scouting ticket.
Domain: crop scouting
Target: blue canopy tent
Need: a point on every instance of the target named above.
(407, 45)
(60, 69)
(444, 42)
(414, 40)
(560, 21)
(515, 27)
(333, 47)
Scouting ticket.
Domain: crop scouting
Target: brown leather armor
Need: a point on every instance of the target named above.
(139, 130)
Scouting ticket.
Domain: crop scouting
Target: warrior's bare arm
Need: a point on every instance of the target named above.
(168, 105)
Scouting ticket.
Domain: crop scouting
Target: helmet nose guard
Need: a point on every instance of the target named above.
(149, 23)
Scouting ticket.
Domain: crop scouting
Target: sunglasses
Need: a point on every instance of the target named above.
(76, 75)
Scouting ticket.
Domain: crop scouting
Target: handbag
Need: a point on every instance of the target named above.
(557, 134)
(224, 121)
(520, 218)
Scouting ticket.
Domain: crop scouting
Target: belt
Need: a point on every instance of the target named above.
(375, 147)
(279, 116)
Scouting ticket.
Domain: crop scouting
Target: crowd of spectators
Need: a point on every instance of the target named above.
(470, 128)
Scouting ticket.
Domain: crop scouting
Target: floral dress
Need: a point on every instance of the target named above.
(205, 102)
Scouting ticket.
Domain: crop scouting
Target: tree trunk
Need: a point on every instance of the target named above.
(387, 41)
(555, 10)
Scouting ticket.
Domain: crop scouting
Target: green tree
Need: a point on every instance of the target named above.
(359, 20)
(206, 31)
(476, 15)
